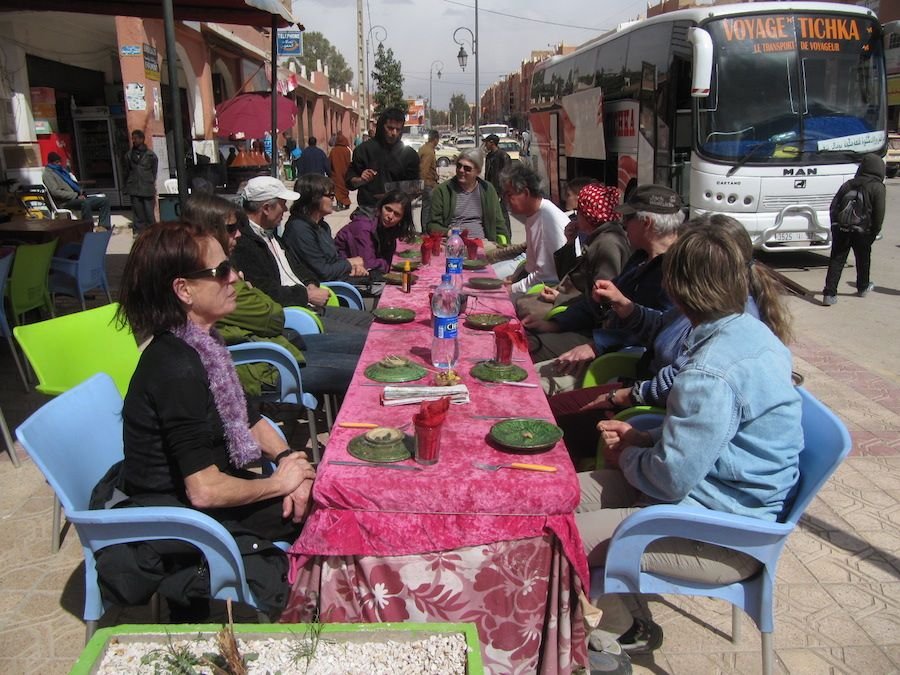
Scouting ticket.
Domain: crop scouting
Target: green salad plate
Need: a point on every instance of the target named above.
(393, 315)
(474, 264)
(485, 321)
(394, 368)
(525, 435)
(410, 253)
(413, 265)
(395, 278)
(491, 371)
(381, 444)
(485, 283)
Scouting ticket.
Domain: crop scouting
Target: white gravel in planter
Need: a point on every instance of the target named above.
(436, 654)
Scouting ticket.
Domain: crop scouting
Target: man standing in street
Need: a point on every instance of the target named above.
(67, 193)
(313, 160)
(428, 173)
(381, 160)
(495, 163)
(141, 165)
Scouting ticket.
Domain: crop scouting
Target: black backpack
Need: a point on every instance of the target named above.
(854, 211)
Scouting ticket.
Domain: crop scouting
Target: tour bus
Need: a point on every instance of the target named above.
(759, 111)
(502, 130)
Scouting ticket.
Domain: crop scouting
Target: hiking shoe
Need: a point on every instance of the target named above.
(865, 291)
(829, 300)
(614, 661)
(643, 637)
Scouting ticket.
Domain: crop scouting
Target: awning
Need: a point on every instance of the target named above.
(243, 12)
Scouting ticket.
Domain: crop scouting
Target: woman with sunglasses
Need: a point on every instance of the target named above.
(327, 362)
(308, 236)
(374, 239)
(468, 202)
(188, 433)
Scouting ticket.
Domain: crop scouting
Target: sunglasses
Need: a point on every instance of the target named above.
(231, 228)
(220, 272)
(465, 167)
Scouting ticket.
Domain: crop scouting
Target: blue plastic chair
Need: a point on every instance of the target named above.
(74, 440)
(347, 292)
(826, 444)
(76, 276)
(288, 376)
(5, 330)
(302, 320)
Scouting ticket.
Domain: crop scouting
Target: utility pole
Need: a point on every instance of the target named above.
(360, 73)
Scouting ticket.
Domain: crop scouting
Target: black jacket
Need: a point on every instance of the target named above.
(312, 244)
(392, 162)
(869, 178)
(255, 260)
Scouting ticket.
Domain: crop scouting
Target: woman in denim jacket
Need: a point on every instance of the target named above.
(730, 440)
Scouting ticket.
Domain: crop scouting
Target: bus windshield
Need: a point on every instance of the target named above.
(793, 87)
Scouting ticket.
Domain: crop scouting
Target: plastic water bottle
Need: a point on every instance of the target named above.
(445, 317)
(456, 253)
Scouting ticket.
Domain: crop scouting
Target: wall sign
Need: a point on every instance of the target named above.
(151, 63)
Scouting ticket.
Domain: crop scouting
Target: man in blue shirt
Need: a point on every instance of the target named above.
(67, 193)
(313, 160)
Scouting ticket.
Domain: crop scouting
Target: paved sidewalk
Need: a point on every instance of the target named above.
(838, 589)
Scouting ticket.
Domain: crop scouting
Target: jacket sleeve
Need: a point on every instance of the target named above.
(606, 261)
(441, 201)
(356, 167)
(255, 312)
(879, 193)
(257, 270)
(154, 163)
(410, 164)
(60, 192)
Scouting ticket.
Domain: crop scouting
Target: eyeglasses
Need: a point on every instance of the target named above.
(330, 195)
(220, 272)
(231, 228)
(465, 167)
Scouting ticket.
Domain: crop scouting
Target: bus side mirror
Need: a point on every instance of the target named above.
(703, 59)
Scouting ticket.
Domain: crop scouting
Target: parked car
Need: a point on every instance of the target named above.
(414, 142)
(511, 147)
(445, 155)
(465, 142)
(892, 159)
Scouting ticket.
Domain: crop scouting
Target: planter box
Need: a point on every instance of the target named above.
(157, 636)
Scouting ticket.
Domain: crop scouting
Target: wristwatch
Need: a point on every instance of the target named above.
(611, 399)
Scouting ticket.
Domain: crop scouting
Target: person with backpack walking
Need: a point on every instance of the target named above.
(857, 212)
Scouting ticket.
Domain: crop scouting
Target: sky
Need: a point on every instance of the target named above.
(421, 32)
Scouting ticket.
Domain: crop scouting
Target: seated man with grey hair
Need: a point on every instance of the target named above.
(467, 202)
(652, 217)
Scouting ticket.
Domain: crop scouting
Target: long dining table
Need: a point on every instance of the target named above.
(450, 542)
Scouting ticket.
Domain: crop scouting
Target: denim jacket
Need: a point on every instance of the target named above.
(731, 438)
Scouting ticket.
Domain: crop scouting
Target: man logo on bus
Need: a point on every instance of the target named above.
(799, 172)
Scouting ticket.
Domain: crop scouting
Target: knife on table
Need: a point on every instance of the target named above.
(401, 467)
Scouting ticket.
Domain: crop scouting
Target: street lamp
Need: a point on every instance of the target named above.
(463, 58)
(376, 29)
(430, 107)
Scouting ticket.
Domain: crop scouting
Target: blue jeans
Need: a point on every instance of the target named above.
(331, 359)
(87, 206)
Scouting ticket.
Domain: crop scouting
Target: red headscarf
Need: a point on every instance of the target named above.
(597, 203)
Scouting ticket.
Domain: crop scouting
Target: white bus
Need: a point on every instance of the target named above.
(758, 110)
(502, 130)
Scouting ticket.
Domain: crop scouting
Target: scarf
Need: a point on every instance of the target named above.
(226, 390)
(66, 176)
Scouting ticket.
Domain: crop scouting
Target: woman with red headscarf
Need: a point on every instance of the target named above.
(597, 248)
(340, 160)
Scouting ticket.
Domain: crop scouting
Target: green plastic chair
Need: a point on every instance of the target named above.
(502, 240)
(28, 283)
(535, 290)
(610, 367)
(66, 351)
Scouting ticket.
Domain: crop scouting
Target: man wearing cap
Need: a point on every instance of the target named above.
(545, 227)
(380, 160)
(652, 217)
(597, 248)
(67, 193)
(278, 273)
(496, 161)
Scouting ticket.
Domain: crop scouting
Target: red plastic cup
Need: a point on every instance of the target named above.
(436, 243)
(472, 249)
(428, 443)
(426, 252)
(503, 348)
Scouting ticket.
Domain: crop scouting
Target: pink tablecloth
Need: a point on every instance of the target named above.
(366, 514)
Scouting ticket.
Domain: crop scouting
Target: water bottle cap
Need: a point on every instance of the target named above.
(445, 277)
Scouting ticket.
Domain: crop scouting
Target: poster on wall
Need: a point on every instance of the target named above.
(135, 98)
(151, 63)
